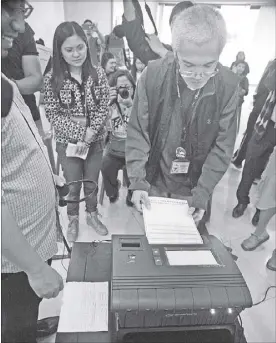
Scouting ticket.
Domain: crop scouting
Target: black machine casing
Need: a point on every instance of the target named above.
(149, 294)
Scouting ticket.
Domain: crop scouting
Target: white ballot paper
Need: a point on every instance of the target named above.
(191, 258)
(71, 151)
(168, 222)
(84, 308)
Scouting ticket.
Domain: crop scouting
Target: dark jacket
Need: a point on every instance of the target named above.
(212, 132)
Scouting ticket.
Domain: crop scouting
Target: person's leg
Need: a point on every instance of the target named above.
(19, 309)
(254, 165)
(240, 154)
(260, 235)
(265, 216)
(110, 166)
(92, 167)
(239, 109)
(73, 171)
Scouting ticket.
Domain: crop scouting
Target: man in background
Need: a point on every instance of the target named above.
(28, 201)
(23, 67)
(146, 47)
(96, 41)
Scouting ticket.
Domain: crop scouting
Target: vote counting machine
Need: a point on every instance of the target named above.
(151, 292)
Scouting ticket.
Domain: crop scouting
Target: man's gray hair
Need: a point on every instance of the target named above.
(199, 24)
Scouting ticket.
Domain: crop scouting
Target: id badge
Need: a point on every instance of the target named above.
(180, 166)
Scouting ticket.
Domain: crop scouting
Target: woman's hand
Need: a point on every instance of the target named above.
(79, 120)
(89, 135)
(81, 148)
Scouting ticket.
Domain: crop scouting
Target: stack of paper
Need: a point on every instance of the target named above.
(168, 222)
(84, 308)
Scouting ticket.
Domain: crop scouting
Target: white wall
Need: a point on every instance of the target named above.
(98, 11)
(47, 15)
(263, 44)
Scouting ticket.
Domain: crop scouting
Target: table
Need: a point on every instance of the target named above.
(91, 262)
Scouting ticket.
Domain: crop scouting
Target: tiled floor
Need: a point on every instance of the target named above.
(259, 321)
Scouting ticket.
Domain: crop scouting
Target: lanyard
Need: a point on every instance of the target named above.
(187, 119)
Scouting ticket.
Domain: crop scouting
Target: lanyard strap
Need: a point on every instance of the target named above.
(187, 119)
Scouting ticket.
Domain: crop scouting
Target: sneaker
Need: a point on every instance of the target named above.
(115, 197)
(73, 228)
(238, 211)
(271, 263)
(92, 219)
(254, 241)
(236, 165)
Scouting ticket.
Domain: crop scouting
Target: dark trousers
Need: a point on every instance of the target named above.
(240, 154)
(110, 167)
(75, 168)
(257, 155)
(19, 310)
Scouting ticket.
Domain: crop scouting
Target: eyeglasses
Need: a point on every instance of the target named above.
(201, 73)
(187, 74)
(24, 9)
(27, 10)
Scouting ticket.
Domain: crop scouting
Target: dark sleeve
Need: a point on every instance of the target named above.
(29, 45)
(136, 39)
(245, 85)
(6, 97)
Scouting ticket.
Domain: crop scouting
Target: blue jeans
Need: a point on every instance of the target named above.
(76, 169)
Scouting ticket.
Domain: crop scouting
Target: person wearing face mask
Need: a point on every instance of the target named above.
(76, 97)
(122, 93)
(182, 128)
(240, 69)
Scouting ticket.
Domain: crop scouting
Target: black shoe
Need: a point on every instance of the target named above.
(115, 197)
(238, 211)
(238, 166)
(128, 199)
(256, 217)
(47, 327)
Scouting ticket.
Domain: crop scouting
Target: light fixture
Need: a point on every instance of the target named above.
(213, 311)
(230, 311)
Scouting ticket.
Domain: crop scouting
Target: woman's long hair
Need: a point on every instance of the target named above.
(60, 67)
(119, 73)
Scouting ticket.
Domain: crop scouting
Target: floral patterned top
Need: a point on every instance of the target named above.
(84, 100)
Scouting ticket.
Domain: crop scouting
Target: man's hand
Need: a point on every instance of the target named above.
(197, 214)
(46, 283)
(140, 198)
(156, 45)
